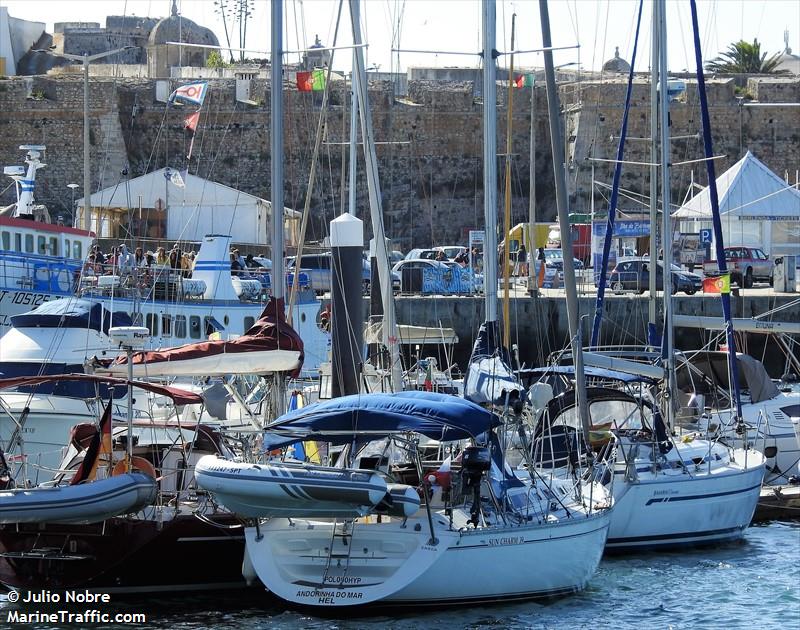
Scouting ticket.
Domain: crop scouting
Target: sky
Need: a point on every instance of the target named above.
(443, 26)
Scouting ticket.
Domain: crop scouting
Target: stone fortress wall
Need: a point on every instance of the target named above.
(431, 171)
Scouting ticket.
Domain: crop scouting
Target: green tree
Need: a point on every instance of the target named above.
(745, 58)
(215, 60)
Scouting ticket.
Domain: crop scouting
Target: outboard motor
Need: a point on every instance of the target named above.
(475, 461)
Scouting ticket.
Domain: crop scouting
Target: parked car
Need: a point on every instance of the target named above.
(745, 264)
(633, 274)
(555, 258)
(422, 254)
(451, 251)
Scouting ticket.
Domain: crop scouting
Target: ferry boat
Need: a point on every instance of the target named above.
(42, 261)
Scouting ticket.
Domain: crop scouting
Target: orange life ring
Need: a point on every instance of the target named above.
(137, 463)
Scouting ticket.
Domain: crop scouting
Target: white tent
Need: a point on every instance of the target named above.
(179, 206)
(756, 206)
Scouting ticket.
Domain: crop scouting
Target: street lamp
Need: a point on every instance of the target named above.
(86, 59)
(72, 187)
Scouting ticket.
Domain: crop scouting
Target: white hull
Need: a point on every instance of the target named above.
(674, 508)
(47, 427)
(231, 314)
(772, 433)
(395, 563)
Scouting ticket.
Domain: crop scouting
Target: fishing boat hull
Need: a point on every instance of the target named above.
(686, 508)
(396, 563)
(91, 502)
(162, 552)
(282, 489)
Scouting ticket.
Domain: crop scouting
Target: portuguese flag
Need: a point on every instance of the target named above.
(717, 284)
(523, 80)
(313, 81)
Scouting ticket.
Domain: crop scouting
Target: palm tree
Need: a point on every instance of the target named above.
(745, 58)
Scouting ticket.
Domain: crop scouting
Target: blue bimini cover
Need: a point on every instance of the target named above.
(367, 417)
(70, 313)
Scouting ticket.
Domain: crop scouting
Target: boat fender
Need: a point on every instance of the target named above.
(137, 463)
(248, 570)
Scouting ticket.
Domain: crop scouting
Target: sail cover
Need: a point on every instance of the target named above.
(270, 345)
(489, 379)
(364, 417)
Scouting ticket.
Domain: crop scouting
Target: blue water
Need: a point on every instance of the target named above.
(750, 584)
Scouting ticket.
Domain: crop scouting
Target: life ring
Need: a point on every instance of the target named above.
(137, 463)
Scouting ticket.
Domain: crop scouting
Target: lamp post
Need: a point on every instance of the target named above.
(86, 59)
(72, 187)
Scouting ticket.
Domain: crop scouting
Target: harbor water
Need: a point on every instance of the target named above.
(754, 583)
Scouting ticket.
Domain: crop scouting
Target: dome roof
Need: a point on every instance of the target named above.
(617, 64)
(176, 28)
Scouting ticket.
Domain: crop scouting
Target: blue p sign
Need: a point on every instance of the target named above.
(705, 236)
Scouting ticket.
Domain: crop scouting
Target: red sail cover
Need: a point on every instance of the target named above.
(270, 345)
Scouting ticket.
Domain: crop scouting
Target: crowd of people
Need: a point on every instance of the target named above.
(138, 267)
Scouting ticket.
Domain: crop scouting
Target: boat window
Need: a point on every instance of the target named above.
(793, 411)
(17, 242)
(76, 250)
(248, 322)
(180, 325)
(136, 319)
(152, 324)
(29, 243)
(6, 241)
(194, 326)
(41, 245)
(53, 246)
(166, 325)
(621, 414)
(211, 325)
(66, 248)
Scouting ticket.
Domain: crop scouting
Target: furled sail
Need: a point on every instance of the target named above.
(270, 345)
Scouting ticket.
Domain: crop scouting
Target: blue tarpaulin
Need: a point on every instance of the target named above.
(374, 416)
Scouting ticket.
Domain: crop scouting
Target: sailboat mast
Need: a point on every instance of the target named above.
(507, 195)
(390, 334)
(278, 389)
(489, 160)
(563, 218)
(666, 232)
(652, 307)
(276, 148)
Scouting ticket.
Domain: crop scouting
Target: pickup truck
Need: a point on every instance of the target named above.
(745, 264)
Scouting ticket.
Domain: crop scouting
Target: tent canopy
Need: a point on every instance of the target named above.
(748, 191)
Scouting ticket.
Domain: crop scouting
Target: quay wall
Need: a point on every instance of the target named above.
(539, 325)
(429, 151)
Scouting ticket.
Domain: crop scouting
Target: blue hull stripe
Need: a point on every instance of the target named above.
(701, 496)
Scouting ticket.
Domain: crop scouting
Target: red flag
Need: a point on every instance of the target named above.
(191, 121)
(519, 82)
(305, 82)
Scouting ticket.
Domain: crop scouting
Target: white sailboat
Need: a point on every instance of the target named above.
(528, 537)
(671, 491)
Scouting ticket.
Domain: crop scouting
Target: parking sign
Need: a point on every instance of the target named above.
(705, 236)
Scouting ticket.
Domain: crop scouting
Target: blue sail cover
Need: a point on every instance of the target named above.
(70, 313)
(489, 379)
(375, 416)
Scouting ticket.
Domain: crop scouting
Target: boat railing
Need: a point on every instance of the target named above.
(35, 272)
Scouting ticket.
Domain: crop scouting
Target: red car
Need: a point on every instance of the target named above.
(745, 264)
